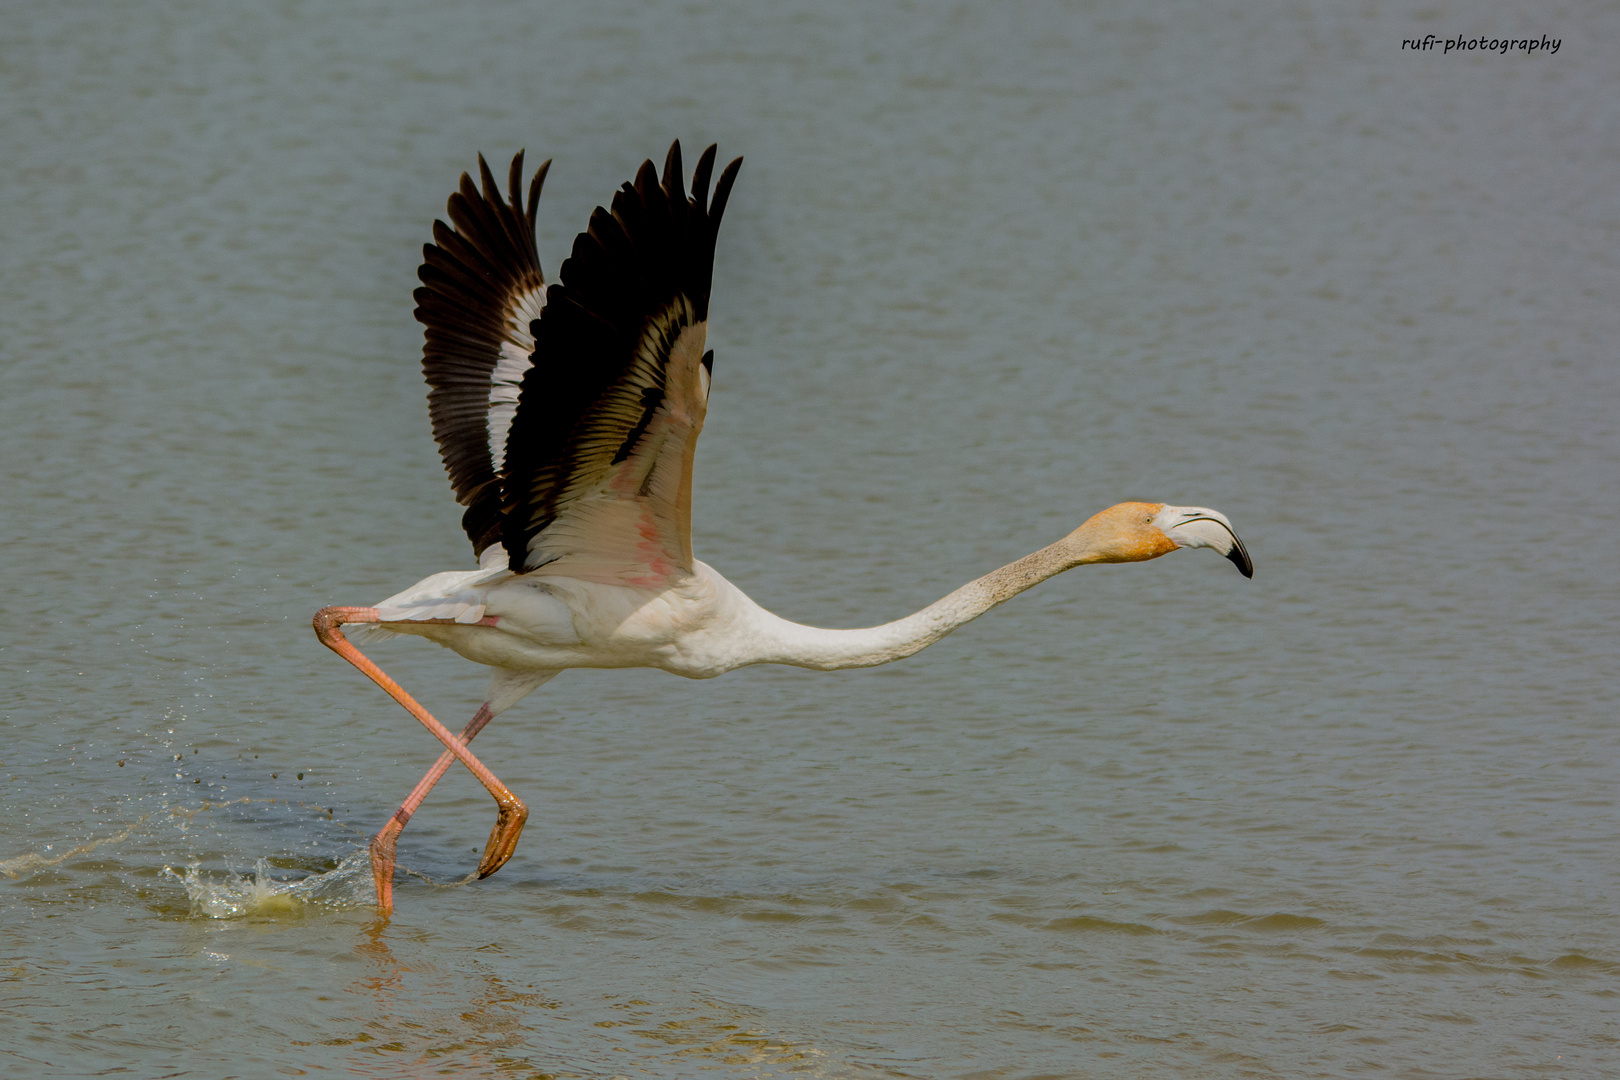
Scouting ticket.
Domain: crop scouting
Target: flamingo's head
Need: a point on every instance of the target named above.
(1137, 531)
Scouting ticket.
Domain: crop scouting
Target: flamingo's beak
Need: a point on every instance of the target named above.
(1200, 527)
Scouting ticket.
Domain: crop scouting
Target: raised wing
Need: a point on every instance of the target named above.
(599, 459)
(481, 289)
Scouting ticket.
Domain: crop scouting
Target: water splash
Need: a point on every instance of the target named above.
(31, 861)
(346, 885)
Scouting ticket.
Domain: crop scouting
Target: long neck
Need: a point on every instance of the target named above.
(808, 646)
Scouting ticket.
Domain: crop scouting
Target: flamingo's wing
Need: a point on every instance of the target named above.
(481, 290)
(599, 459)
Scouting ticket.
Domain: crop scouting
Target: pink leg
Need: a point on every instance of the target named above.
(384, 843)
(512, 811)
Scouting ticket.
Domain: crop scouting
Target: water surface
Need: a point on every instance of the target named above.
(984, 273)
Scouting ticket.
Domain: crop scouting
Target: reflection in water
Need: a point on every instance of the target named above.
(418, 1015)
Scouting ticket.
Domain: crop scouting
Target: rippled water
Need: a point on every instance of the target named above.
(986, 271)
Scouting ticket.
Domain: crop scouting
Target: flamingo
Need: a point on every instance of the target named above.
(567, 416)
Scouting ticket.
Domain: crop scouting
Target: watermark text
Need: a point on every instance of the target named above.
(1482, 44)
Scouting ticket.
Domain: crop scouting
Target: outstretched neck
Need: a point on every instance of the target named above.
(826, 650)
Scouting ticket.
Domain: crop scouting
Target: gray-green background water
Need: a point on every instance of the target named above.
(988, 269)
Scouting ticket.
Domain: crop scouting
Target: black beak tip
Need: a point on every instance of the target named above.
(1240, 559)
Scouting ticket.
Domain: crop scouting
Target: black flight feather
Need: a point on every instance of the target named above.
(638, 275)
(474, 275)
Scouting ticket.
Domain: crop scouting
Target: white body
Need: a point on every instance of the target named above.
(531, 622)
(700, 627)
(530, 626)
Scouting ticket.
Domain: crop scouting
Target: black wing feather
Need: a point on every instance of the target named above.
(477, 276)
(645, 264)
